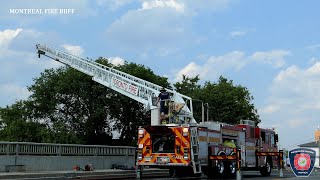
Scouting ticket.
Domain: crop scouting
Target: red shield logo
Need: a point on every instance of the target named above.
(302, 161)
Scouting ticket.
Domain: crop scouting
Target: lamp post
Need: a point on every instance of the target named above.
(202, 109)
(207, 111)
(202, 106)
(318, 151)
(317, 139)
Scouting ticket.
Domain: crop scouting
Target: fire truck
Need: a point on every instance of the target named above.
(211, 148)
(176, 141)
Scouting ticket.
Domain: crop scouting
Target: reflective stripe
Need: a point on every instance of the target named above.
(213, 139)
(203, 138)
(223, 157)
(267, 153)
(250, 148)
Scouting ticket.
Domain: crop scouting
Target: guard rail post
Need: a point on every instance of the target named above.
(239, 175)
(138, 168)
(8, 149)
(17, 149)
(280, 157)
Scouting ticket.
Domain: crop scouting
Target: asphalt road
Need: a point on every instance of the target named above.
(252, 175)
(152, 174)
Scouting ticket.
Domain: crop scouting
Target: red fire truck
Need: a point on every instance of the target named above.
(210, 148)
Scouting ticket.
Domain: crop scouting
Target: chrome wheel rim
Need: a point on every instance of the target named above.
(233, 168)
(221, 167)
(268, 167)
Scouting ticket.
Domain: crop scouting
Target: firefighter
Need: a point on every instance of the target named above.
(164, 98)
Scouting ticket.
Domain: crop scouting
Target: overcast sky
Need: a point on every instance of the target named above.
(271, 47)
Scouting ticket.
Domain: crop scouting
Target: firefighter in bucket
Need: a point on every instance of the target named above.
(164, 99)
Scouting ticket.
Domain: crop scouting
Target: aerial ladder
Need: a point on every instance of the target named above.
(133, 87)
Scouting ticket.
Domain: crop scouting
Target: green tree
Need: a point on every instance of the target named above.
(227, 102)
(16, 126)
(190, 87)
(76, 107)
(79, 110)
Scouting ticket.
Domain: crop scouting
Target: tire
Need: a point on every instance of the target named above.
(210, 172)
(197, 175)
(172, 172)
(230, 169)
(217, 172)
(267, 168)
(182, 171)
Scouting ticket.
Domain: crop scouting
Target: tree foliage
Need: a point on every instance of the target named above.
(73, 104)
(16, 126)
(226, 102)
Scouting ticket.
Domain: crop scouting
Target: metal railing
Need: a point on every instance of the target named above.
(46, 149)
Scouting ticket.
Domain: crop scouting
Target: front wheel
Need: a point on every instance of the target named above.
(172, 172)
(267, 168)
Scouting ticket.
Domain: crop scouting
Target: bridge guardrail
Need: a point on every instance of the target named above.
(47, 149)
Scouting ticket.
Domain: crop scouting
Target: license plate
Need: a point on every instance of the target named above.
(147, 158)
(163, 159)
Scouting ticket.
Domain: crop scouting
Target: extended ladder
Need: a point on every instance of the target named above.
(138, 89)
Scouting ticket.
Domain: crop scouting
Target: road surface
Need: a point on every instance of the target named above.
(252, 175)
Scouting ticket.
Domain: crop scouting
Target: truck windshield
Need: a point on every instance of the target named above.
(272, 139)
(162, 139)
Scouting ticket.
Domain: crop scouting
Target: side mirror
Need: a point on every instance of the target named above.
(276, 138)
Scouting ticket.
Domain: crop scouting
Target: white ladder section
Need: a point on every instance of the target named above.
(138, 89)
(195, 151)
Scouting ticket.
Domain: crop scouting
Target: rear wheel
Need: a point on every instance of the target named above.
(182, 171)
(267, 168)
(218, 171)
(220, 167)
(197, 175)
(210, 172)
(230, 169)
